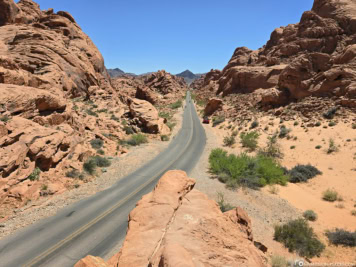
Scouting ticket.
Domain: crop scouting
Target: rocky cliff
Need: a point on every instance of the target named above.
(176, 225)
(55, 99)
(315, 57)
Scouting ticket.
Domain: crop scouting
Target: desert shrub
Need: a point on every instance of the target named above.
(73, 173)
(128, 130)
(332, 147)
(104, 110)
(273, 189)
(296, 123)
(90, 112)
(218, 120)
(101, 161)
(254, 125)
(229, 140)
(318, 147)
(272, 149)
(317, 124)
(330, 195)
(299, 237)
(137, 139)
(97, 143)
(164, 138)
(90, 166)
(342, 237)
(222, 204)
(165, 115)
(101, 152)
(302, 173)
(4, 118)
(310, 215)
(332, 123)
(283, 131)
(353, 126)
(244, 170)
(249, 140)
(171, 125)
(114, 118)
(330, 114)
(279, 261)
(292, 147)
(234, 133)
(353, 212)
(35, 175)
(176, 104)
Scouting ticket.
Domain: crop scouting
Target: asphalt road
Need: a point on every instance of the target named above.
(95, 225)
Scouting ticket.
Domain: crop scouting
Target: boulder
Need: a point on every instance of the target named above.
(212, 106)
(148, 117)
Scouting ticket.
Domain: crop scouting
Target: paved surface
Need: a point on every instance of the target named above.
(95, 225)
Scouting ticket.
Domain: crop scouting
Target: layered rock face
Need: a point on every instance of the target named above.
(176, 225)
(315, 57)
(55, 98)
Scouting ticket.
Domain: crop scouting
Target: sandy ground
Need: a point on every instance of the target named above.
(339, 173)
(120, 167)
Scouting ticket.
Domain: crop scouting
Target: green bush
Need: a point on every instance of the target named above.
(254, 125)
(272, 149)
(330, 195)
(90, 166)
(229, 140)
(332, 147)
(128, 130)
(101, 152)
(176, 104)
(249, 140)
(332, 123)
(164, 138)
(137, 139)
(318, 147)
(222, 204)
(171, 125)
(283, 131)
(73, 173)
(299, 237)
(35, 175)
(165, 115)
(101, 162)
(353, 126)
(302, 173)
(218, 120)
(114, 118)
(243, 170)
(90, 112)
(4, 118)
(310, 215)
(97, 143)
(342, 237)
(330, 114)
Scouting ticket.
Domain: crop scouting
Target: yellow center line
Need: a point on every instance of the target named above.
(120, 203)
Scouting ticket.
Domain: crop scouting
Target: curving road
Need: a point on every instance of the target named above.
(97, 224)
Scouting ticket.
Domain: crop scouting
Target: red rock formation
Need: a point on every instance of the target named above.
(172, 225)
(45, 61)
(315, 57)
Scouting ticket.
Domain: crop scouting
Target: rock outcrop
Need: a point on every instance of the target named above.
(175, 223)
(315, 57)
(147, 117)
(55, 98)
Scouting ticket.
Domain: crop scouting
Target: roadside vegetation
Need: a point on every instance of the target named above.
(244, 170)
(249, 140)
(299, 237)
(342, 237)
(92, 163)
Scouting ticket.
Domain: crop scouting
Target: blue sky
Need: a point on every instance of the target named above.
(141, 36)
